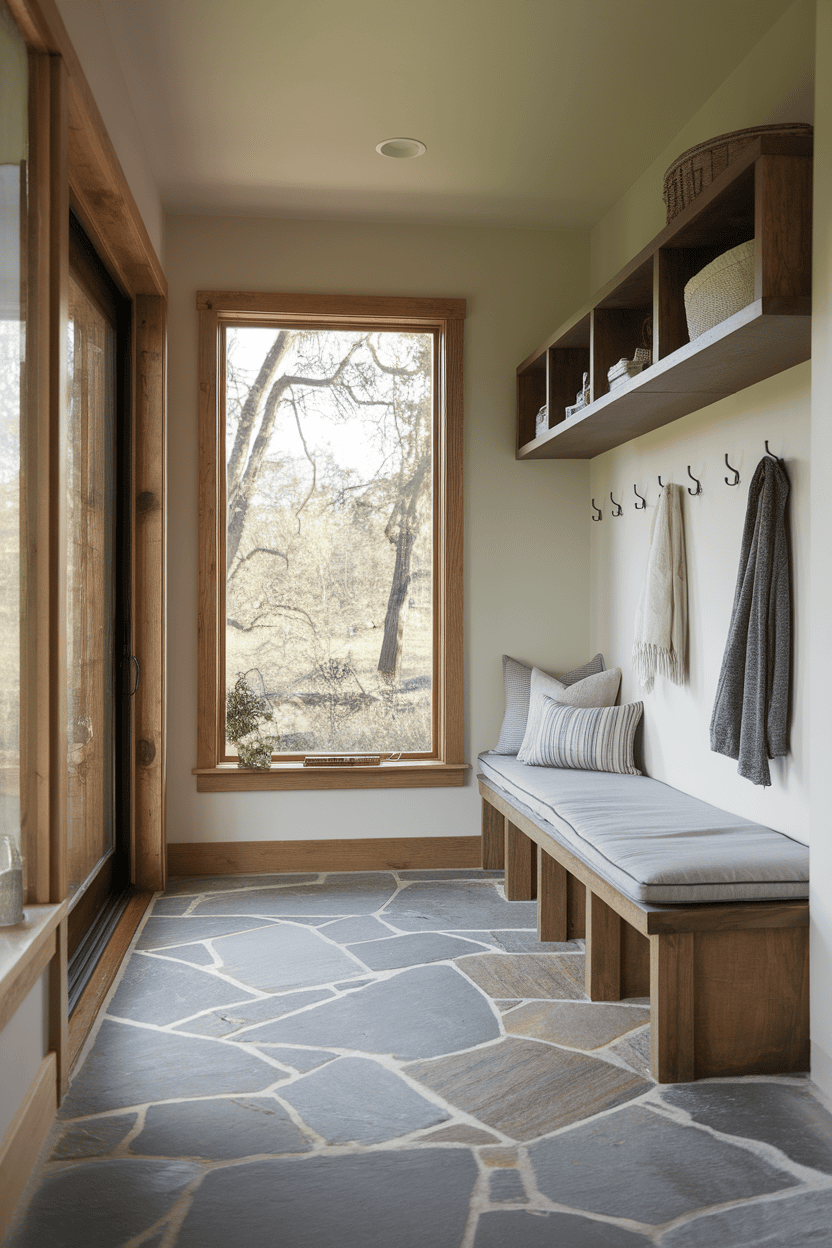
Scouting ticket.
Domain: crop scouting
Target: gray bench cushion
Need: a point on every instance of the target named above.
(652, 842)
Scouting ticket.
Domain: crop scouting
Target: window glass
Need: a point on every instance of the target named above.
(329, 536)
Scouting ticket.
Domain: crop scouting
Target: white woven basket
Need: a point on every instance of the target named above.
(720, 289)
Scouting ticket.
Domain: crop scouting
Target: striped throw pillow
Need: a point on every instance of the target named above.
(516, 685)
(597, 738)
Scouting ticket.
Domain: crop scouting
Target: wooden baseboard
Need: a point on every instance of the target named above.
(91, 999)
(24, 1138)
(366, 854)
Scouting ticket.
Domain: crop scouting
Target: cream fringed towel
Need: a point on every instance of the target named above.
(662, 616)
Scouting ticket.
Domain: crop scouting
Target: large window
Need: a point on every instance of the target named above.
(330, 535)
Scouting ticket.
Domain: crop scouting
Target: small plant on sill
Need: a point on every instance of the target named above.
(245, 714)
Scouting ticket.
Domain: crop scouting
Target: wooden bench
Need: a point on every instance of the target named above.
(728, 981)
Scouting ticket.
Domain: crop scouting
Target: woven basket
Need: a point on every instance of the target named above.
(698, 166)
(720, 289)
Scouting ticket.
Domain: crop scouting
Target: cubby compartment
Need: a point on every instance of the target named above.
(764, 195)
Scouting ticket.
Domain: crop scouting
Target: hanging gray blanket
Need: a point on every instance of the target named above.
(751, 712)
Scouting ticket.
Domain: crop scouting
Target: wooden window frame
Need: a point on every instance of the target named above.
(445, 318)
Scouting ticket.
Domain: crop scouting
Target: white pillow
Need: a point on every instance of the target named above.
(586, 738)
(516, 683)
(599, 689)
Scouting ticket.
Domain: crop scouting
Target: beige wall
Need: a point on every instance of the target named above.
(526, 530)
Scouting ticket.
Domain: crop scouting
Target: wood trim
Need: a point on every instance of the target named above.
(149, 592)
(58, 1023)
(24, 1138)
(402, 853)
(207, 749)
(101, 980)
(27, 949)
(451, 529)
(381, 308)
(429, 775)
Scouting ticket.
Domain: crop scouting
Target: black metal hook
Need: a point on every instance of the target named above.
(771, 453)
(661, 487)
(639, 506)
(615, 504)
(698, 489)
(736, 480)
(600, 515)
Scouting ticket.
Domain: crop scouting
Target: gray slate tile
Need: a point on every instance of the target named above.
(218, 1130)
(637, 1164)
(97, 1137)
(634, 1049)
(102, 1203)
(385, 955)
(224, 1022)
(154, 991)
(505, 1185)
(132, 1065)
(577, 1024)
(788, 1117)
(194, 884)
(349, 984)
(300, 1059)
(801, 1221)
(551, 976)
(420, 1013)
(527, 942)
(452, 873)
(361, 892)
(160, 933)
(356, 1100)
(171, 905)
(412, 1199)
(283, 957)
(552, 1230)
(459, 1133)
(457, 906)
(347, 931)
(196, 955)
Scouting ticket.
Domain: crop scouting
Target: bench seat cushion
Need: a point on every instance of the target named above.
(652, 842)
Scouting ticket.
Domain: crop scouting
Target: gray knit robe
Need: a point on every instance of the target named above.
(751, 711)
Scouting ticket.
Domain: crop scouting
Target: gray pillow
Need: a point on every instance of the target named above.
(586, 738)
(516, 687)
(599, 689)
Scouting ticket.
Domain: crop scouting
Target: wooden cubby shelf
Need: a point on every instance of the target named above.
(765, 195)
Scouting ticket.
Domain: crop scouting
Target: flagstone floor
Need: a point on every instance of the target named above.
(392, 1060)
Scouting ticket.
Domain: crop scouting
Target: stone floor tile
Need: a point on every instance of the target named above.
(458, 1133)
(224, 1022)
(354, 1100)
(787, 1116)
(160, 933)
(155, 991)
(653, 1170)
(347, 931)
(526, 975)
(635, 1051)
(430, 907)
(452, 873)
(525, 1089)
(97, 1137)
(283, 956)
(505, 1006)
(193, 884)
(361, 892)
(552, 1230)
(349, 984)
(197, 955)
(100, 1204)
(504, 1186)
(578, 1024)
(300, 1059)
(171, 906)
(800, 1221)
(411, 1199)
(419, 1013)
(133, 1065)
(415, 950)
(524, 941)
(499, 1157)
(218, 1130)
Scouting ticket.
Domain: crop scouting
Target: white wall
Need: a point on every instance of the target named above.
(24, 1043)
(820, 601)
(526, 536)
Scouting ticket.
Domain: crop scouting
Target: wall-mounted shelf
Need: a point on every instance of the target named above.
(765, 194)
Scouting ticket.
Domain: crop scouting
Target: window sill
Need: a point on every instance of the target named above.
(228, 778)
(25, 951)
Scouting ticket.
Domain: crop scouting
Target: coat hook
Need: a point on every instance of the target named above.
(771, 453)
(736, 480)
(600, 515)
(615, 504)
(639, 506)
(698, 489)
(661, 487)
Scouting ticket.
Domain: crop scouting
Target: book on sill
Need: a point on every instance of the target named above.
(343, 760)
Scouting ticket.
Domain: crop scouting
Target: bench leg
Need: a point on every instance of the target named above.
(551, 897)
(521, 865)
(603, 950)
(493, 838)
(671, 1007)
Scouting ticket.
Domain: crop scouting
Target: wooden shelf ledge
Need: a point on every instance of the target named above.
(25, 951)
(229, 778)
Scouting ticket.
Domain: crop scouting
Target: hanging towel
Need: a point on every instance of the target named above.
(751, 712)
(662, 616)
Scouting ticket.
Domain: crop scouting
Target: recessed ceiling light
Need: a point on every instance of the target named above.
(401, 149)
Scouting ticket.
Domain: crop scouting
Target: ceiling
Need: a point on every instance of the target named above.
(534, 113)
